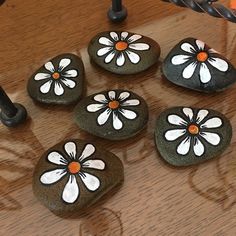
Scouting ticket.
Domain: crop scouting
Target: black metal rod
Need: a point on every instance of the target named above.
(6, 105)
(207, 6)
(116, 5)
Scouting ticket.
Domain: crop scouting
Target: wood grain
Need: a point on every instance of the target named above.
(156, 199)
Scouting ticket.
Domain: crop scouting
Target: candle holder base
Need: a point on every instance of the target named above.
(19, 117)
(117, 16)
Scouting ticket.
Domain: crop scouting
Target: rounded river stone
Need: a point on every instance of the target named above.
(74, 174)
(113, 114)
(186, 136)
(59, 81)
(193, 64)
(123, 52)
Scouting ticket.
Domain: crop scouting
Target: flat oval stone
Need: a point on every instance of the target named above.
(113, 115)
(59, 81)
(123, 52)
(193, 64)
(75, 174)
(187, 136)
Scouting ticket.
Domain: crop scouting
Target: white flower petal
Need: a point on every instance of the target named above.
(112, 95)
(52, 176)
(128, 114)
(46, 87)
(71, 191)
(105, 41)
(214, 122)
(94, 107)
(188, 112)
(110, 57)
(134, 38)
(103, 51)
(57, 158)
(70, 149)
(120, 61)
(219, 64)
(179, 59)
(41, 76)
(172, 135)
(187, 47)
(200, 44)
(117, 124)
(91, 182)
(70, 73)
(211, 138)
(198, 148)
(87, 152)
(103, 117)
(94, 164)
(201, 115)
(184, 146)
(205, 75)
(63, 64)
(58, 89)
(123, 96)
(49, 66)
(100, 98)
(139, 46)
(68, 83)
(131, 102)
(134, 57)
(124, 35)
(114, 35)
(189, 70)
(176, 120)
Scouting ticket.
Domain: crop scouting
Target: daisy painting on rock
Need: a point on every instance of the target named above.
(198, 58)
(121, 48)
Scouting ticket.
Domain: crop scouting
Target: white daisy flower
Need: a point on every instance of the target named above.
(193, 131)
(114, 106)
(57, 77)
(121, 47)
(202, 56)
(73, 166)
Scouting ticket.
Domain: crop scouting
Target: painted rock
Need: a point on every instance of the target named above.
(74, 174)
(123, 52)
(114, 115)
(186, 136)
(59, 81)
(193, 64)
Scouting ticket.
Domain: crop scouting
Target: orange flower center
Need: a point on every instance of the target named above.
(74, 167)
(121, 46)
(113, 104)
(202, 56)
(55, 75)
(193, 129)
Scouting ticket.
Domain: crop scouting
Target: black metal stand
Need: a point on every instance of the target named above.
(11, 114)
(207, 6)
(117, 12)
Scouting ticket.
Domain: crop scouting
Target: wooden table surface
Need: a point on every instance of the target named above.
(156, 199)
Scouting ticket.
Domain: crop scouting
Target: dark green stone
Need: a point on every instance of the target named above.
(51, 195)
(168, 149)
(88, 121)
(72, 92)
(220, 78)
(148, 57)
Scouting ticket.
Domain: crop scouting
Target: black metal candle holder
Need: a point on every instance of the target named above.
(117, 12)
(207, 6)
(11, 114)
